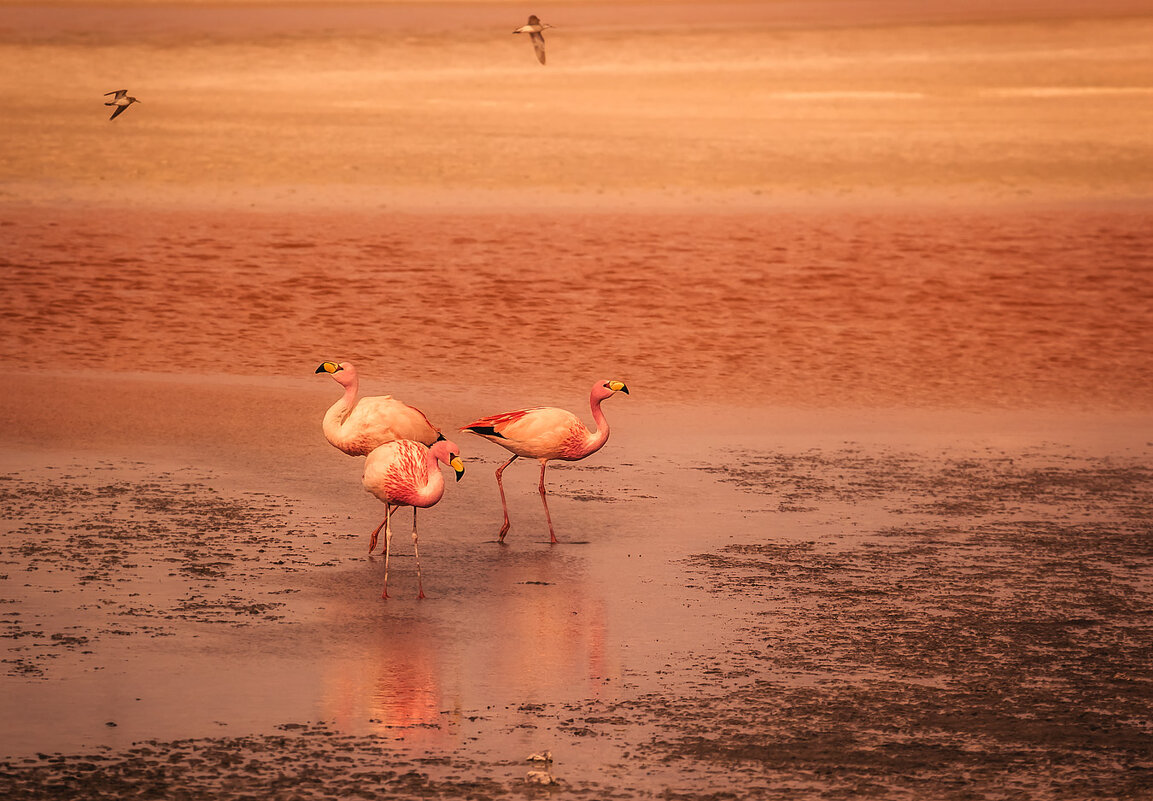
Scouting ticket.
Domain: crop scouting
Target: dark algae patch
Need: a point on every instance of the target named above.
(310, 762)
(122, 550)
(998, 647)
(886, 625)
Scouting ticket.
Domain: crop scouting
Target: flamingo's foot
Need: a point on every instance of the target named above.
(552, 539)
(503, 531)
(384, 595)
(420, 595)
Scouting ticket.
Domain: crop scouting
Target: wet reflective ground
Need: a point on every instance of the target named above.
(831, 606)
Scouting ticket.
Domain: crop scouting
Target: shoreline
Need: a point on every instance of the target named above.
(746, 567)
(360, 200)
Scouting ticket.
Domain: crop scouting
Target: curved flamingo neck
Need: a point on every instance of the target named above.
(350, 393)
(338, 413)
(434, 484)
(597, 438)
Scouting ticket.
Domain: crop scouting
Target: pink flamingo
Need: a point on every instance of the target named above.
(546, 433)
(406, 473)
(358, 426)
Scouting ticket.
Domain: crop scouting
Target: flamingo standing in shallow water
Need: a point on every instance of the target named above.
(406, 473)
(546, 433)
(359, 426)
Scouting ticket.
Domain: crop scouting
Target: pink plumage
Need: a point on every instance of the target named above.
(545, 433)
(358, 425)
(500, 420)
(407, 473)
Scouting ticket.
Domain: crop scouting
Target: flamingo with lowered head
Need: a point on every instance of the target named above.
(406, 473)
(545, 433)
(357, 426)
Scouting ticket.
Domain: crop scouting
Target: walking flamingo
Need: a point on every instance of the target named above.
(545, 433)
(406, 473)
(358, 426)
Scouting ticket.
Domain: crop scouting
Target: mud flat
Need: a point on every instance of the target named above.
(870, 605)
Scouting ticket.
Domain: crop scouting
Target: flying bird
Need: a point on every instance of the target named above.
(121, 101)
(359, 426)
(533, 29)
(406, 473)
(545, 433)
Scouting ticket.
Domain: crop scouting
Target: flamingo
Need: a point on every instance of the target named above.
(121, 100)
(358, 426)
(534, 29)
(545, 433)
(406, 473)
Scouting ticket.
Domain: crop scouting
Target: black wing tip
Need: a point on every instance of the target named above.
(484, 431)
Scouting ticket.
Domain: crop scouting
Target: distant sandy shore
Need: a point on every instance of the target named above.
(731, 105)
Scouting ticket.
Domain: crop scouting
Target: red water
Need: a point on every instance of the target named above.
(1009, 308)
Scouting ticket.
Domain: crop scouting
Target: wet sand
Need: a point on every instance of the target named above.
(650, 105)
(874, 521)
(867, 604)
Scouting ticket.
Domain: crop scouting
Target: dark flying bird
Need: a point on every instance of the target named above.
(121, 101)
(533, 29)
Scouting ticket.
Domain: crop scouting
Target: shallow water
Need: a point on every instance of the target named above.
(210, 603)
(1013, 308)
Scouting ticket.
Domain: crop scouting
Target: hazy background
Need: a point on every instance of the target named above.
(365, 104)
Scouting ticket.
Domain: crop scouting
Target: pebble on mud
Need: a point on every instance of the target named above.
(542, 777)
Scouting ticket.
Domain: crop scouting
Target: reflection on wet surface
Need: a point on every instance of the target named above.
(842, 618)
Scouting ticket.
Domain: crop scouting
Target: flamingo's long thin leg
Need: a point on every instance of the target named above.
(376, 533)
(547, 516)
(503, 503)
(387, 547)
(372, 540)
(416, 552)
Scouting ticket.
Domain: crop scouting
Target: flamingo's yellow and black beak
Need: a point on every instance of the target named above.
(456, 464)
(329, 367)
(618, 386)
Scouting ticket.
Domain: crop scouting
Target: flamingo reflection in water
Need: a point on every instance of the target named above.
(407, 473)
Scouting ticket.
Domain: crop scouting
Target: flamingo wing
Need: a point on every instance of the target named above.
(541, 433)
(376, 420)
(494, 424)
(396, 472)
